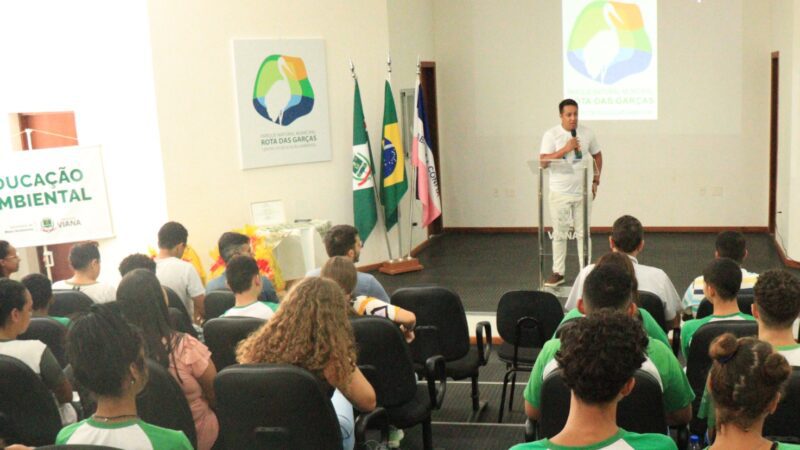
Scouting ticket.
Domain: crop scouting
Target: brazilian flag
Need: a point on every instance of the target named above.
(394, 183)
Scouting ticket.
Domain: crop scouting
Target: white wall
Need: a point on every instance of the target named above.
(92, 57)
(500, 81)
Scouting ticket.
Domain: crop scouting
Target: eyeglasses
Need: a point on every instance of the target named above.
(12, 257)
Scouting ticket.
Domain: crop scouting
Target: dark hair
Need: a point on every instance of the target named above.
(623, 261)
(627, 233)
(777, 298)
(141, 301)
(136, 261)
(41, 290)
(101, 346)
(725, 276)
(230, 243)
(172, 234)
(12, 296)
(600, 353)
(240, 272)
(341, 270)
(4, 246)
(607, 286)
(731, 244)
(745, 376)
(82, 254)
(340, 239)
(566, 102)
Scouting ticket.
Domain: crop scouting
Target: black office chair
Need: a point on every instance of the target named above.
(698, 363)
(69, 303)
(223, 334)
(52, 333)
(745, 305)
(163, 403)
(525, 321)
(385, 359)
(442, 330)
(179, 321)
(782, 424)
(652, 303)
(28, 411)
(217, 302)
(634, 413)
(270, 406)
(174, 301)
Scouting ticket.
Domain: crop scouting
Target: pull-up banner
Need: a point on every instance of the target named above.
(53, 196)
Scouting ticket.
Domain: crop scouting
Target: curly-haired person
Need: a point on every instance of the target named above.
(610, 287)
(745, 381)
(311, 330)
(598, 357)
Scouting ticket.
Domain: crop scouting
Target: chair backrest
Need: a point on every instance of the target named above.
(698, 362)
(52, 333)
(270, 406)
(745, 302)
(440, 308)
(543, 307)
(174, 300)
(181, 322)
(217, 302)
(69, 303)
(163, 403)
(634, 413)
(381, 345)
(28, 408)
(652, 303)
(783, 422)
(223, 334)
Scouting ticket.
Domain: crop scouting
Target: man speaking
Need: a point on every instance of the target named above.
(568, 142)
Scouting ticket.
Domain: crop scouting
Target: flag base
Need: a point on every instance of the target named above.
(402, 266)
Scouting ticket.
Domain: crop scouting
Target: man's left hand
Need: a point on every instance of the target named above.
(594, 190)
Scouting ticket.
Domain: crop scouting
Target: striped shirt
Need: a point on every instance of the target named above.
(694, 293)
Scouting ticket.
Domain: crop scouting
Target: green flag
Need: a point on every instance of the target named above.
(393, 166)
(365, 212)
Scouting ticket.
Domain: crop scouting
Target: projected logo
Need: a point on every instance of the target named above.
(609, 42)
(282, 92)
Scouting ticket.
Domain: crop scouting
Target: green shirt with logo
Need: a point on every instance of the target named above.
(623, 440)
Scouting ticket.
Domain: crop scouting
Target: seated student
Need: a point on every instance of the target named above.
(176, 274)
(343, 240)
(42, 294)
(722, 280)
(245, 281)
(84, 258)
(107, 358)
(610, 287)
(16, 307)
(143, 303)
(627, 237)
(233, 244)
(729, 244)
(9, 260)
(136, 261)
(599, 355)
(652, 327)
(745, 382)
(311, 330)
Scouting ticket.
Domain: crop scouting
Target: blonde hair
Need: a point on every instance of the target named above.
(310, 329)
(342, 271)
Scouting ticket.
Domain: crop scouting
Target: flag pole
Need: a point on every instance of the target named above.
(414, 174)
(374, 184)
(399, 221)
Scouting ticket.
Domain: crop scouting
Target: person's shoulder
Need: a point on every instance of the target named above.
(366, 277)
(657, 349)
(652, 441)
(164, 438)
(536, 445)
(315, 272)
(67, 432)
(784, 446)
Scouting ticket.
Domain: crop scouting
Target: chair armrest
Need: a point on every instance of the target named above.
(531, 430)
(375, 419)
(682, 436)
(676, 341)
(484, 348)
(435, 370)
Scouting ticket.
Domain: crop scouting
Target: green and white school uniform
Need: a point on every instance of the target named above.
(258, 310)
(651, 327)
(623, 440)
(128, 435)
(691, 326)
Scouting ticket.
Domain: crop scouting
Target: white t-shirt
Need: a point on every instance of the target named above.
(258, 310)
(566, 181)
(181, 277)
(99, 292)
(650, 279)
(29, 352)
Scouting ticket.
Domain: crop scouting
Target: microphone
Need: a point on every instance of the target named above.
(578, 154)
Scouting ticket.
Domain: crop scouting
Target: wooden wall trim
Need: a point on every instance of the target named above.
(788, 262)
(534, 230)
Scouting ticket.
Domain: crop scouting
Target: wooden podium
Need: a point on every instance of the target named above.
(402, 265)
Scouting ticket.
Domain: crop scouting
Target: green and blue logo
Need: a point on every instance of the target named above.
(282, 92)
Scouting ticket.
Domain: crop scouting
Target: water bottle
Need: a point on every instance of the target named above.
(694, 443)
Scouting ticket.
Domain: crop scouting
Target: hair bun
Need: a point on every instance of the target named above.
(723, 347)
(776, 369)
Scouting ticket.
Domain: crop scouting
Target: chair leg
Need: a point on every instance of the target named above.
(513, 385)
(475, 394)
(427, 435)
(503, 397)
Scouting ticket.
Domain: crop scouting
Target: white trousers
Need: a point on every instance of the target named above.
(566, 212)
